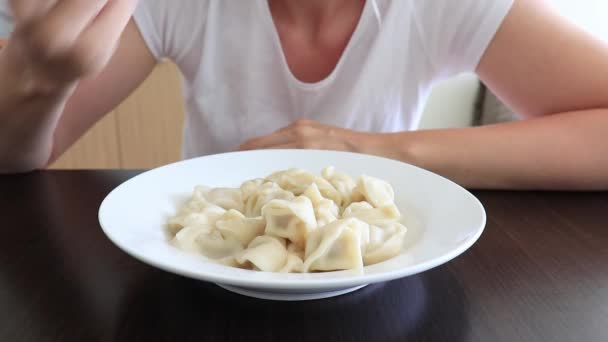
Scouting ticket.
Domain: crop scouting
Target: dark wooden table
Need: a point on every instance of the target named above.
(538, 273)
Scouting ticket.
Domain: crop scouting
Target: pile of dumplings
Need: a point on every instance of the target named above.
(293, 221)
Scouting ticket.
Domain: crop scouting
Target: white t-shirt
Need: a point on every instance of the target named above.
(237, 84)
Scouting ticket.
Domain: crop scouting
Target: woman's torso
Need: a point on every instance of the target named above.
(238, 84)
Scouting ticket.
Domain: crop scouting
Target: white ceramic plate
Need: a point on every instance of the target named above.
(443, 219)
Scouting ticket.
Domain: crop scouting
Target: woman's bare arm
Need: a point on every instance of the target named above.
(66, 64)
(544, 68)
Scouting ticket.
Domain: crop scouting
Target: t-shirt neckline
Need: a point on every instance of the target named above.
(269, 20)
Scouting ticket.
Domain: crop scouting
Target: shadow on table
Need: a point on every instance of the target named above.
(426, 307)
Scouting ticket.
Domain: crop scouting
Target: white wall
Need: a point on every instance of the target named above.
(451, 104)
(592, 15)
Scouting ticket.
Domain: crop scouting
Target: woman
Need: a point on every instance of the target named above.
(325, 74)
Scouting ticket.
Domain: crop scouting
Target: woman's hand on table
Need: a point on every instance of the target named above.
(308, 134)
(517, 155)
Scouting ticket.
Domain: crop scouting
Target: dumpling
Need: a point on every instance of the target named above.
(196, 204)
(216, 246)
(296, 250)
(344, 184)
(293, 221)
(295, 259)
(269, 254)
(377, 192)
(250, 187)
(208, 241)
(236, 225)
(290, 219)
(293, 180)
(185, 239)
(265, 253)
(294, 264)
(326, 210)
(227, 198)
(196, 214)
(375, 216)
(384, 243)
(356, 207)
(264, 193)
(297, 181)
(336, 246)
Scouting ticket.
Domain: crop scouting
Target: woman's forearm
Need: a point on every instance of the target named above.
(41, 65)
(560, 152)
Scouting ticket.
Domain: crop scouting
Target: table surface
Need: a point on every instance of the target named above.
(538, 273)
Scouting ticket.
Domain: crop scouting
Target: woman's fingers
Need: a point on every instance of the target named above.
(65, 40)
(277, 138)
(306, 134)
(96, 44)
(299, 132)
(57, 30)
(26, 10)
